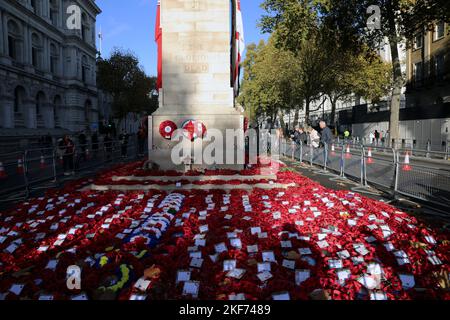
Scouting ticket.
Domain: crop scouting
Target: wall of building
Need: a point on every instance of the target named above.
(47, 72)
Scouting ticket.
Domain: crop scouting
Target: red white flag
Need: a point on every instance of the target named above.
(158, 39)
(239, 45)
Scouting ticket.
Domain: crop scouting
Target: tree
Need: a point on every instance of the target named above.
(294, 19)
(270, 83)
(130, 87)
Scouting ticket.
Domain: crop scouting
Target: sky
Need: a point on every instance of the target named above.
(130, 25)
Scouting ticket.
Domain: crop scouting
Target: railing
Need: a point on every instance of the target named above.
(395, 170)
(23, 172)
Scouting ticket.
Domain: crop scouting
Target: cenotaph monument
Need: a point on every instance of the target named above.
(196, 51)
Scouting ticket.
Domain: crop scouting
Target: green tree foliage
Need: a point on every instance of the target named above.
(296, 20)
(128, 84)
(270, 84)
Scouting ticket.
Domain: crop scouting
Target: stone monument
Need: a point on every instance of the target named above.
(196, 78)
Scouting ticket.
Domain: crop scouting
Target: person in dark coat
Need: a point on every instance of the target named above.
(123, 138)
(67, 148)
(326, 137)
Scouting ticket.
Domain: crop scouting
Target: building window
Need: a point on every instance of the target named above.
(439, 66)
(418, 68)
(439, 30)
(54, 11)
(418, 41)
(40, 99)
(84, 69)
(19, 94)
(54, 59)
(35, 6)
(85, 28)
(36, 51)
(14, 41)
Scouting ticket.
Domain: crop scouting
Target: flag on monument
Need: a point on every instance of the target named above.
(158, 39)
(240, 46)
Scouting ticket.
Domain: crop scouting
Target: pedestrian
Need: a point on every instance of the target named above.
(346, 134)
(371, 137)
(67, 148)
(314, 137)
(94, 140)
(300, 137)
(141, 141)
(382, 138)
(82, 141)
(377, 136)
(108, 145)
(326, 137)
(123, 138)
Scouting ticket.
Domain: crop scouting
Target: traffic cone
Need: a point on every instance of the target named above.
(406, 166)
(2, 171)
(369, 156)
(19, 166)
(42, 163)
(348, 155)
(333, 150)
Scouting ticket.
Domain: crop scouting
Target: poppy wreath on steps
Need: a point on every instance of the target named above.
(194, 129)
(167, 128)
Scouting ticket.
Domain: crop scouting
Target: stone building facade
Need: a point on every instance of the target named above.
(47, 68)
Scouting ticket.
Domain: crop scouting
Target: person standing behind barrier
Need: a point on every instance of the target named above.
(82, 140)
(377, 137)
(326, 139)
(314, 137)
(108, 145)
(94, 140)
(371, 137)
(123, 138)
(141, 141)
(300, 136)
(68, 150)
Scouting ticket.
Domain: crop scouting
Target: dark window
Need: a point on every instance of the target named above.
(12, 47)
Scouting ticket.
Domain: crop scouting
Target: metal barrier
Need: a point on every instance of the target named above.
(382, 167)
(379, 166)
(26, 171)
(422, 182)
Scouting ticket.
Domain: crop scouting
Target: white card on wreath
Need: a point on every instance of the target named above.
(265, 266)
(142, 284)
(335, 264)
(252, 249)
(236, 273)
(323, 244)
(289, 264)
(236, 242)
(407, 280)
(282, 296)
(255, 230)
(221, 247)
(196, 262)
(264, 276)
(268, 256)
(286, 244)
(203, 228)
(191, 288)
(229, 265)
(237, 297)
(301, 275)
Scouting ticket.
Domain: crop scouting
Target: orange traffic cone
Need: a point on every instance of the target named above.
(406, 166)
(333, 150)
(369, 156)
(2, 171)
(42, 163)
(19, 166)
(348, 155)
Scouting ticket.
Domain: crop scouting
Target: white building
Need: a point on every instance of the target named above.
(47, 71)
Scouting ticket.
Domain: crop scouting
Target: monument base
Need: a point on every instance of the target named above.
(160, 149)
